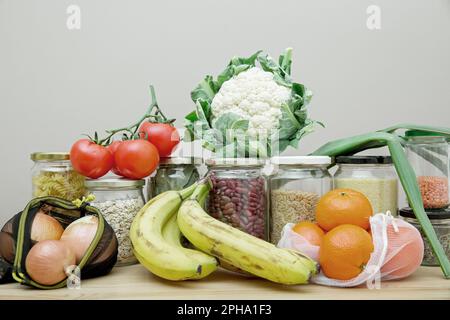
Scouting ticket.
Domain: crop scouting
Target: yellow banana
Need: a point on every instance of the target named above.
(172, 234)
(240, 249)
(151, 249)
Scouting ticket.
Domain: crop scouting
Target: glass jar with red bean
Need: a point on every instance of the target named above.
(429, 156)
(239, 194)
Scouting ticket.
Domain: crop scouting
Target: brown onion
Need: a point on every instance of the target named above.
(45, 227)
(47, 261)
(79, 235)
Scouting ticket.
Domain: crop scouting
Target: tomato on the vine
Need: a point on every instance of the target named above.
(90, 159)
(163, 136)
(113, 148)
(136, 159)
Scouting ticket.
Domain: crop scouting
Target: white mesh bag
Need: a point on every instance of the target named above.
(388, 243)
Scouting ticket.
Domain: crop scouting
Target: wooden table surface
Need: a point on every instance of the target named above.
(135, 282)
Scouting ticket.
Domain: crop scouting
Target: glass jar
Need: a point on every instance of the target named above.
(374, 176)
(440, 219)
(52, 175)
(429, 156)
(239, 194)
(173, 174)
(119, 200)
(295, 188)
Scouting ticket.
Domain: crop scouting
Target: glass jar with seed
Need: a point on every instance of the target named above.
(239, 194)
(119, 200)
(295, 189)
(440, 220)
(174, 173)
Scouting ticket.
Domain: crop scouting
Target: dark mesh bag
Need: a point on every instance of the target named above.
(15, 241)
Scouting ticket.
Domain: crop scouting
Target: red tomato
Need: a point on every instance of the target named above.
(113, 148)
(164, 136)
(90, 159)
(136, 159)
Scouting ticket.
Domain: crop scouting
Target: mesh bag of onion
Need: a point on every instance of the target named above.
(51, 226)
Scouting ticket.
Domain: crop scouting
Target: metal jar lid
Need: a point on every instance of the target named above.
(364, 160)
(180, 160)
(302, 160)
(435, 214)
(113, 183)
(49, 156)
(235, 162)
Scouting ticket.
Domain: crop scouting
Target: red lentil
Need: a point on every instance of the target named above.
(434, 191)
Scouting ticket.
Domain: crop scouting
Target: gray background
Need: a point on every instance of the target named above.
(56, 84)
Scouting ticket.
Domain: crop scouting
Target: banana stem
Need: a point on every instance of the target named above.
(201, 192)
(186, 193)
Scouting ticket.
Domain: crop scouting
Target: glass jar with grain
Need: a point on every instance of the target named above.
(440, 220)
(174, 173)
(119, 200)
(295, 188)
(239, 194)
(429, 156)
(374, 176)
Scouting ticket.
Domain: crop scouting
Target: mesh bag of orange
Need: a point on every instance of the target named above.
(397, 252)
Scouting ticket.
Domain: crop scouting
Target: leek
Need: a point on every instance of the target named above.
(408, 179)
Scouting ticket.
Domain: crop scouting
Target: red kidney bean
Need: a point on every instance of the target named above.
(240, 202)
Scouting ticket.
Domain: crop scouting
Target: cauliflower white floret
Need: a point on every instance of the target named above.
(253, 95)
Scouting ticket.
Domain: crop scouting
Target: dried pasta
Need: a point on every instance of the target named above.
(66, 184)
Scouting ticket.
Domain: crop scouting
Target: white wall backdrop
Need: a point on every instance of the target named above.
(57, 83)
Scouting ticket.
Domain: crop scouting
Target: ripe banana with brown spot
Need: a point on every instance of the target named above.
(240, 249)
(159, 256)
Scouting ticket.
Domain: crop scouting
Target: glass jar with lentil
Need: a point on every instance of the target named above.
(429, 156)
(239, 194)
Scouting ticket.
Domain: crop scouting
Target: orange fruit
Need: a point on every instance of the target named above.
(343, 206)
(345, 251)
(310, 231)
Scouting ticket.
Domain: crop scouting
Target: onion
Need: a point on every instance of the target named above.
(45, 227)
(79, 235)
(47, 261)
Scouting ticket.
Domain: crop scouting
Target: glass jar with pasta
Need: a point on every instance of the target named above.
(53, 175)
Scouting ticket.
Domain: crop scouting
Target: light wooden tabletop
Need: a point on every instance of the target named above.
(135, 282)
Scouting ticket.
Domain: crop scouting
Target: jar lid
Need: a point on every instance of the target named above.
(237, 162)
(108, 183)
(55, 156)
(363, 160)
(301, 160)
(435, 214)
(420, 133)
(180, 160)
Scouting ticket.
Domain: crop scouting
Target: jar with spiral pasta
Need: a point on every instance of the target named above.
(52, 175)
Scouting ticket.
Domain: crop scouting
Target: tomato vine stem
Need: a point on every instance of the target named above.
(153, 114)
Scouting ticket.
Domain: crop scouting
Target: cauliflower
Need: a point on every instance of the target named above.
(254, 96)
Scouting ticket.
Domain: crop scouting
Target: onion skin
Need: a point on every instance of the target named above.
(45, 227)
(79, 235)
(47, 260)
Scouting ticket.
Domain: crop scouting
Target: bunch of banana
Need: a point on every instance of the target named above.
(240, 249)
(156, 240)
